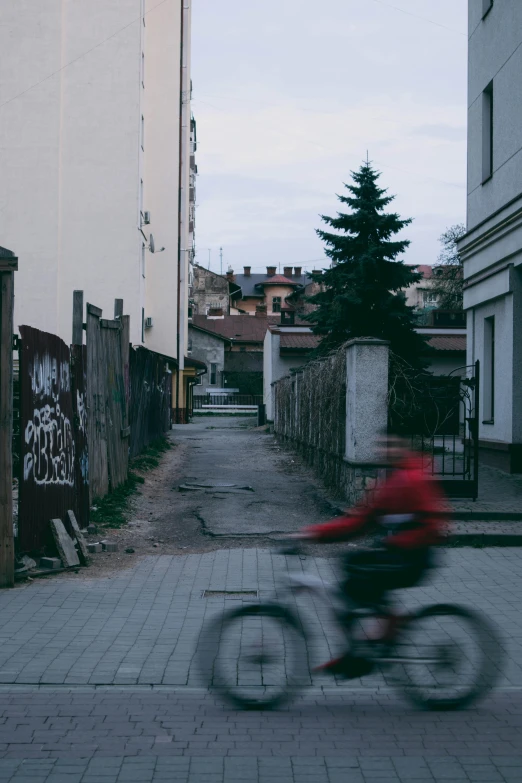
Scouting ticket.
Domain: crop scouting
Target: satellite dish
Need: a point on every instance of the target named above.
(152, 246)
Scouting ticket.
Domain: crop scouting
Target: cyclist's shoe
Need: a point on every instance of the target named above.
(348, 667)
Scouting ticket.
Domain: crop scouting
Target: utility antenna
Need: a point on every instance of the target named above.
(220, 260)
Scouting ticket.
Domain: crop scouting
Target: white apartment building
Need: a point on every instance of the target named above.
(95, 162)
(492, 246)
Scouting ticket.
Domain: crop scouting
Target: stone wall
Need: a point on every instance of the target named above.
(333, 413)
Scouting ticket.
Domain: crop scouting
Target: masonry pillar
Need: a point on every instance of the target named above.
(366, 398)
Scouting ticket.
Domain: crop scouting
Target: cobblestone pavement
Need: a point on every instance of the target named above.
(78, 657)
(111, 735)
(142, 625)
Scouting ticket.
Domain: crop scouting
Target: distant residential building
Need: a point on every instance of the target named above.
(210, 291)
(243, 360)
(421, 295)
(299, 298)
(208, 347)
(286, 348)
(269, 291)
(491, 249)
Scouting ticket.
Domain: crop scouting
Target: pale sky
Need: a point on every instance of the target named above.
(288, 97)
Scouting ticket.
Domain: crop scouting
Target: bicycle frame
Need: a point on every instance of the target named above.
(301, 583)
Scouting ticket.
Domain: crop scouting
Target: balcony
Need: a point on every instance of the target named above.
(445, 319)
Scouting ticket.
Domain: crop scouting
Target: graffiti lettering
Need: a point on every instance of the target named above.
(81, 412)
(49, 377)
(49, 448)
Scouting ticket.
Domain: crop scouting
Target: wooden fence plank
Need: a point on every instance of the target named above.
(116, 402)
(77, 318)
(96, 407)
(64, 544)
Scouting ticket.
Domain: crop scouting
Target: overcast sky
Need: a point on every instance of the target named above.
(288, 97)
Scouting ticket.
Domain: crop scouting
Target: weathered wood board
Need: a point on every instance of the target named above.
(64, 544)
(82, 544)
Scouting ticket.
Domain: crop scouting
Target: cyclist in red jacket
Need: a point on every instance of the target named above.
(406, 512)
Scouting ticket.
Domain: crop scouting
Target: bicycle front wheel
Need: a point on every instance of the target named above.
(447, 657)
(255, 657)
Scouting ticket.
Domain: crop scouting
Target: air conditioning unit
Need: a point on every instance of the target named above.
(146, 218)
(149, 323)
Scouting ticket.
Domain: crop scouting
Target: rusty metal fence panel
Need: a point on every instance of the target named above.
(150, 400)
(47, 449)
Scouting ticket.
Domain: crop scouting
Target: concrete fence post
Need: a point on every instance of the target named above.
(366, 397)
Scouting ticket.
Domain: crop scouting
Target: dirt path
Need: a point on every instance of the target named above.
(282, 495)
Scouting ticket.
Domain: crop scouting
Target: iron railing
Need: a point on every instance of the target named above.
(231, 400)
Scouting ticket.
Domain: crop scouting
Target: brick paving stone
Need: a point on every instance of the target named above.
(148, 619)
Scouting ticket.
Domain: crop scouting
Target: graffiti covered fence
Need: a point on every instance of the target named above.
(47, 440)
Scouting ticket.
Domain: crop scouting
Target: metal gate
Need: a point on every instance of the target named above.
(442, 423)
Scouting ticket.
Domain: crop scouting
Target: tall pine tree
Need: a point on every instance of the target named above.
(362, 293)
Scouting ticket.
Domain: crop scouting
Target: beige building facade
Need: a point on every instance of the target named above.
(95, 168)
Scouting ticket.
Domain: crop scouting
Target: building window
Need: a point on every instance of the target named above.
(487, 5)
(276, 304)
(213, 374)
(190, 312)
(489, 370)
(429, 298)
(142, 259)
(142, 132)
(487, 133)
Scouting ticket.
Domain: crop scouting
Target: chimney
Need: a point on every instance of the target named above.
(230, 275)
(271, 270)
(317, 271)
(298, 271)
(247, 270)
(261, 311)
(287, 271)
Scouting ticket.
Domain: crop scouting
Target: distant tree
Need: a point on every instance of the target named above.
(449, 278)
(362, 293)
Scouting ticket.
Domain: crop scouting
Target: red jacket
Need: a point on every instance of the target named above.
(408, 494)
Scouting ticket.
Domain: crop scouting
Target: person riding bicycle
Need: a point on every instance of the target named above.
(406, 511)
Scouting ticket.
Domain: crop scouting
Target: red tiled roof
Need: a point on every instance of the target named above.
(426, 270)
(240, 328)
(455, 342)
(301, 342)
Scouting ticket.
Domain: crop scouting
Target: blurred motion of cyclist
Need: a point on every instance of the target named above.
(406, 512)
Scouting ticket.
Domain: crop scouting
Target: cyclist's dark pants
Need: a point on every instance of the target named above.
(382, 570)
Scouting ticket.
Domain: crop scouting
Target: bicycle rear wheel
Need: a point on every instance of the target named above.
(447, 657)
(255, 657)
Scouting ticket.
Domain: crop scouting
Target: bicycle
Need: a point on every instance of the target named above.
(268, 661)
